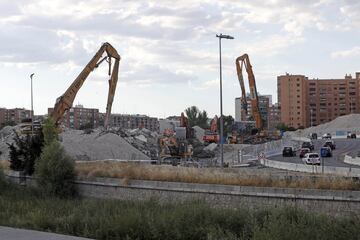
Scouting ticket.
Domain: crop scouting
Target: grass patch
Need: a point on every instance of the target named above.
(209, 176)
(114, 219)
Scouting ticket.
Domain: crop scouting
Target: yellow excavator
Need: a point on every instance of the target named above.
(261, 134)
(65, 101)
(244, 61)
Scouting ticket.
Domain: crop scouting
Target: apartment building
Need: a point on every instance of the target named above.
(79, 117)
(274, 116)
(308, 102)
(264, 104)
(14, 115)
(134, 121)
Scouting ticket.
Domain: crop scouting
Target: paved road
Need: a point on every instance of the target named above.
(7, 233)
(343, 146)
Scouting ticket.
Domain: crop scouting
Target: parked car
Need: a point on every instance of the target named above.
(313, 136)
(303, 151)
(330, 143)
(309, 145)
(312, 158)
(351, 135)
(326, 136)
(325, 152)
(288, 152)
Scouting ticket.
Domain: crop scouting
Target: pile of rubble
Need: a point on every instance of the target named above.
(143, 139)
(7, 135)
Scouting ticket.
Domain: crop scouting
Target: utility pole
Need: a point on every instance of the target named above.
(32, 107)
(220, 36)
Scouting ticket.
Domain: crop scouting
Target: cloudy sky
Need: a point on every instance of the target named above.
(169, 50)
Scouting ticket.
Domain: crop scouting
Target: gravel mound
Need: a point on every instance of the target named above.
(97, 145)
(347, 123)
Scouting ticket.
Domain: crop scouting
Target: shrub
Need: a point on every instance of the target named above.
(54, 168)
(25, 151)
(3, 182)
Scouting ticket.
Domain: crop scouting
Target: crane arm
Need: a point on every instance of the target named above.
(254, 100)
(65, 101)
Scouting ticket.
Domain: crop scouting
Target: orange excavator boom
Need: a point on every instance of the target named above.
(65, 101)
(244, 61)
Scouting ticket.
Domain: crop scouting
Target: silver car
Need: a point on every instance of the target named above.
(312, 158)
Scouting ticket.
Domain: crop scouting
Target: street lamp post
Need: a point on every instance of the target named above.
(32, 107)
(220, 36)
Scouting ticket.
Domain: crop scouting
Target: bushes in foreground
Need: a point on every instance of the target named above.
(55, 170)
(113, 219)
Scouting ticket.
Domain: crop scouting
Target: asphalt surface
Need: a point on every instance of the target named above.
(7, 233)
(343, 146)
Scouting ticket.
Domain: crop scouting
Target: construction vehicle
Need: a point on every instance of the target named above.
(244, 61)
(65, 101)
(258, 134)
(175, 147)
(212, 136)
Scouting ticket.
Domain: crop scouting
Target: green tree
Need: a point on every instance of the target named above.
(55, 170)
(282, 127)
(197, 117)
(25, 151)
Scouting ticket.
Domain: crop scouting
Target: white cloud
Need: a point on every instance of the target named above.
(353, 52)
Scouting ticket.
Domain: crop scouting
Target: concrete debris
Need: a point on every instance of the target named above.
(211, 147)
(92, 146)
(199, 133)
(7, 135)
(99, 145)
(143, 140)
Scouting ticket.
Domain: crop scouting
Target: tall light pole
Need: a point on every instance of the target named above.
(32, 107)
(220, 36)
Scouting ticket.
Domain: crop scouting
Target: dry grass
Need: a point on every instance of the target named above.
(128, 171)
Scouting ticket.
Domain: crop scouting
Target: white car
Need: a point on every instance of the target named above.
(312, 158)
(326, 136)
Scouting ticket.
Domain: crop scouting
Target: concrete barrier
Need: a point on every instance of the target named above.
(352, 160)
(330, 202)
(340, 171)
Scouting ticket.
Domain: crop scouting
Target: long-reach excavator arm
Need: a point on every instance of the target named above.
(243, 61)
(65, 101)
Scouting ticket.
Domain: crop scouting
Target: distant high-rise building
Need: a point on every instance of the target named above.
(308, 102)
(79, 117)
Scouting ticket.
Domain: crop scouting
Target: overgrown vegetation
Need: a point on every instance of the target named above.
(209, 176)
(114, 219)
(25, 151)
(55, 169)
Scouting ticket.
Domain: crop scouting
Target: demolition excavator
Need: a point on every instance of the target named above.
(241, 62)
(65, 101)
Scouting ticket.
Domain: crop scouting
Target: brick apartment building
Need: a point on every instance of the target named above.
(308, 102)
(274, 116)
(134, 121)
(14, 115)
(264, 107)
(77, 117)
